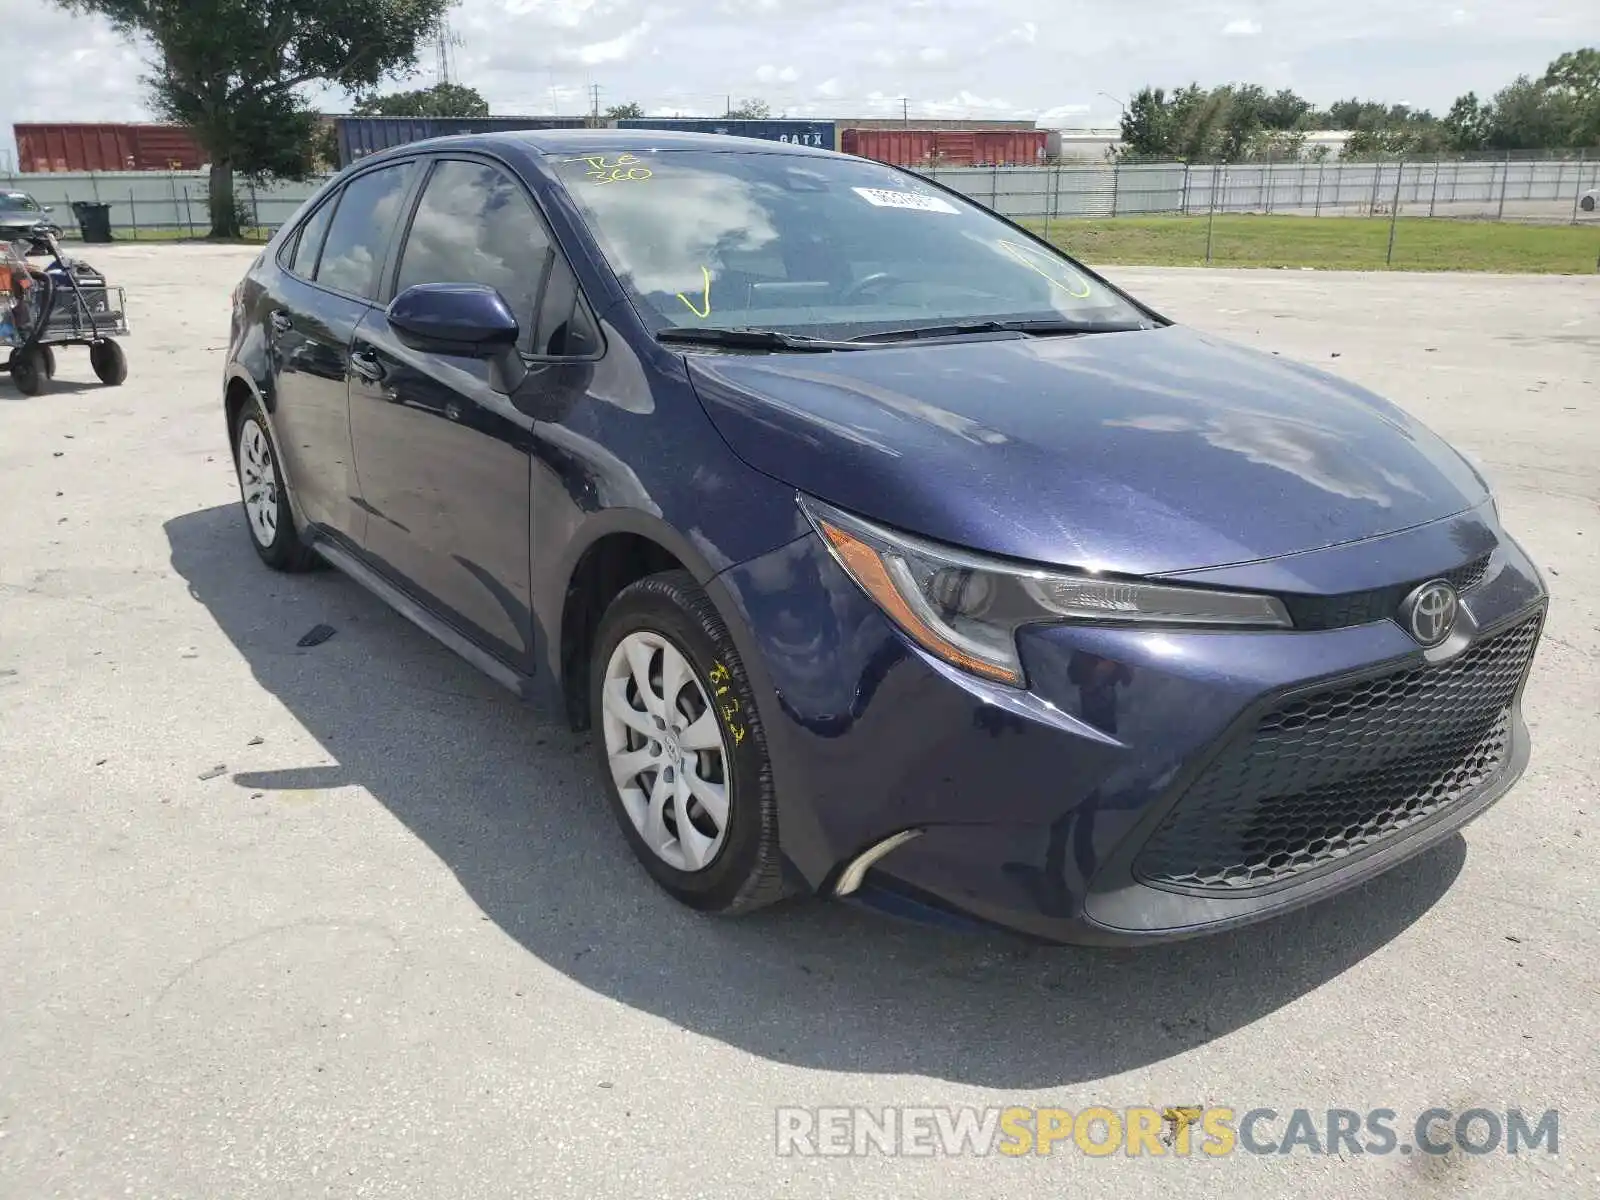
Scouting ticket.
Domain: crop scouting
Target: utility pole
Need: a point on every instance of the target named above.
(728, 112)
(594, 91)
(905, 110)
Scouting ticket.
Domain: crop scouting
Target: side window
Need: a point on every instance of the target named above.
(309, 243)
(368, 210)
(474, 225)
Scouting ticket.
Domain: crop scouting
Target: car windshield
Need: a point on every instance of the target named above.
(18, 202)
(819, 247)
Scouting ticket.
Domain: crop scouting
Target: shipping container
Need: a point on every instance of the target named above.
(821, 134)
(361, 136)
(948, 147)
(106, 147)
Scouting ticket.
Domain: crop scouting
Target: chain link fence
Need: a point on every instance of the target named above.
(159, 204)
(1119, 211)
(1548, 190)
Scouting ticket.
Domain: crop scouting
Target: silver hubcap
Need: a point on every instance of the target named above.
(667, 752)
(258, 482)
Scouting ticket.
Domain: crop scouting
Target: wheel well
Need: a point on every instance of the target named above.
(606, 567)
(234, 400)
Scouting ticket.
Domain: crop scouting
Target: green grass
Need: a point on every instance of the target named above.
(1331, 243)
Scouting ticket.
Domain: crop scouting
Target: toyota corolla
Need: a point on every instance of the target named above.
(886, 551)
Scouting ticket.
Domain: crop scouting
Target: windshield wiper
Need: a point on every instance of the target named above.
(750, 339)
(1044, 328)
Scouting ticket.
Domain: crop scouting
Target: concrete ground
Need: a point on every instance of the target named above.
(349, 921)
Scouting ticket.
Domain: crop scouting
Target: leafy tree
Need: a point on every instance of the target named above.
(751, 109)
(1285, 110)
(1466, 125)
(232, 70)
(440, 100)
(628, 111)
(1526, 115)
(1575, 79)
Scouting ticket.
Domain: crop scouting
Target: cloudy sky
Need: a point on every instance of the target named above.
(1046, 58)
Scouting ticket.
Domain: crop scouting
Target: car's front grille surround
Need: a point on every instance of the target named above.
(1341, 770)
(1375, 604)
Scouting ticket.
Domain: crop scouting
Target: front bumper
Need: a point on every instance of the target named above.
(1065, 811)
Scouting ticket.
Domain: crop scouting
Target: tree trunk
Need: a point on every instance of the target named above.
(224, 217)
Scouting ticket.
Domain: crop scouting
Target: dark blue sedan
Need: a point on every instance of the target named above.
(886, 551)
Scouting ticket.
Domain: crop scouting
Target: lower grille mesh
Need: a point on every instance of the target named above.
(1330, 774)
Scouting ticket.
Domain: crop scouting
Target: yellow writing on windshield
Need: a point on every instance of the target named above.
(703, 309)
(622, 169)
(1071, 287)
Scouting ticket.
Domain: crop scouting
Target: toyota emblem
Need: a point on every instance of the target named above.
(1429, 613)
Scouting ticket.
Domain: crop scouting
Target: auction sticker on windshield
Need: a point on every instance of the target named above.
(884, 198)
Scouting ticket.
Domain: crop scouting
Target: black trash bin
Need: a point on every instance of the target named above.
(94, 221)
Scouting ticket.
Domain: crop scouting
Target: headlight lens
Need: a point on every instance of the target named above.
(966, 608)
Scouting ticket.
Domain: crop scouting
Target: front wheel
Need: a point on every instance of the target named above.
(109, 362)
(681, 747)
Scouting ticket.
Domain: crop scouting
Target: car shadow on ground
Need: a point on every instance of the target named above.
(508, 798)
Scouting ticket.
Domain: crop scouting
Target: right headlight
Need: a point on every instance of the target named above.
(966, 608)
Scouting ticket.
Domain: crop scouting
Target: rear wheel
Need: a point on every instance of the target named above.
(1588, 204)
(681, 747)
(27, 370)
(266, 503)
(109, 362)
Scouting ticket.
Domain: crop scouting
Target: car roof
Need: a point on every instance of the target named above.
(600, 141)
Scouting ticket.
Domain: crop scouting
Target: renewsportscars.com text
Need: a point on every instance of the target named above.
(1159, 1132)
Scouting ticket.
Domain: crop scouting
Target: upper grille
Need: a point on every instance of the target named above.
(1326, 775)
(1362, 608)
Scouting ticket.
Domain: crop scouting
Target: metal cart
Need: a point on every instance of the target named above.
(64, 303)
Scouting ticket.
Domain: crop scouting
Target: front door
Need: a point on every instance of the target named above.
(444, 459)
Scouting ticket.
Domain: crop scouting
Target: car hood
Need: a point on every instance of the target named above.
(1147, 452)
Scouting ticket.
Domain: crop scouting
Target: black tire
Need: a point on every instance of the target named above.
(747, 871)
(49, 358)
(1588, 204)
(286, 551)
(27, 371)
(109, 362)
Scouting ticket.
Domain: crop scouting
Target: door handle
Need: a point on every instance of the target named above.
(366, 365)
(281, 322)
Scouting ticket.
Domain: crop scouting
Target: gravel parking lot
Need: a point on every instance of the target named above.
(350, 921)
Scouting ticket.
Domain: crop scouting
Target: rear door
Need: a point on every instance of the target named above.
(444, 459)
(329, 275)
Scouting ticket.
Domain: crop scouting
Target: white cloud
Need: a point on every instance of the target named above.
(614, 50)
(1243, 27)
(933, 54)
(767, 73)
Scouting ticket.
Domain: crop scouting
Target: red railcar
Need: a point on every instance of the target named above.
(948, 147)
(108, 146)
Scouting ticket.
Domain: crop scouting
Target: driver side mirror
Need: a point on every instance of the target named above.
(469, 320)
